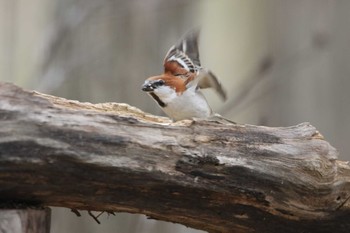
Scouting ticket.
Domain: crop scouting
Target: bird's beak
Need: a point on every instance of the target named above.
(147, 87)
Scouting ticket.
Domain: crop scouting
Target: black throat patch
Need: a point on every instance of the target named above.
(159, 101)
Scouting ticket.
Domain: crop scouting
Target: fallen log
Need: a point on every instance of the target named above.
(204, 174)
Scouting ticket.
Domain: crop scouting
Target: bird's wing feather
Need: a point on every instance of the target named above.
(183, 60)
(184, 53)
(189, 45)
(209, 80)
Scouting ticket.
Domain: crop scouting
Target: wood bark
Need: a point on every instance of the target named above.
(204, 174)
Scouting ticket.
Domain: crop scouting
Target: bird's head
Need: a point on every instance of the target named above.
(165, 87)
(153, 84)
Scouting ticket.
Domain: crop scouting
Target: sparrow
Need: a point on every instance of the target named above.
(178, 90)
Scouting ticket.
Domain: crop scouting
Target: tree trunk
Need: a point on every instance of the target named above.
(203, 174)
(26, 220)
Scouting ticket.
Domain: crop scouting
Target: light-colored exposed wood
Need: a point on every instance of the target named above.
(203, 174)
(25, 220)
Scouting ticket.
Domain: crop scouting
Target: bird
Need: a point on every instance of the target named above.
(178, 90)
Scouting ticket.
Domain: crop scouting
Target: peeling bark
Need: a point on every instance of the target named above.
(203, 174)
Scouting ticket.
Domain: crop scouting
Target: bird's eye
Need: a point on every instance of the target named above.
(160, 82)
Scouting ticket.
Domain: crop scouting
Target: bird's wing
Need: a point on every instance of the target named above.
(209, 80)
(182, 60)
(183, 56)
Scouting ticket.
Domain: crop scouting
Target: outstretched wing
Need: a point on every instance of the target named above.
(183, 56)
(209, 80)
(182, 60)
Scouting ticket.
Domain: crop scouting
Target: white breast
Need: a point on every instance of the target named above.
(191, 104)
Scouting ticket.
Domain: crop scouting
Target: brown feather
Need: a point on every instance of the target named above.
(178, 84)
(174, 68)
(182, 66)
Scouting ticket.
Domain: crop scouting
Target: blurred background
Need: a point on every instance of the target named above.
(282, 63)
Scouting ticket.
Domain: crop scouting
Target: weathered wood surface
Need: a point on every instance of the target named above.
(27, 220)
(206, 175)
